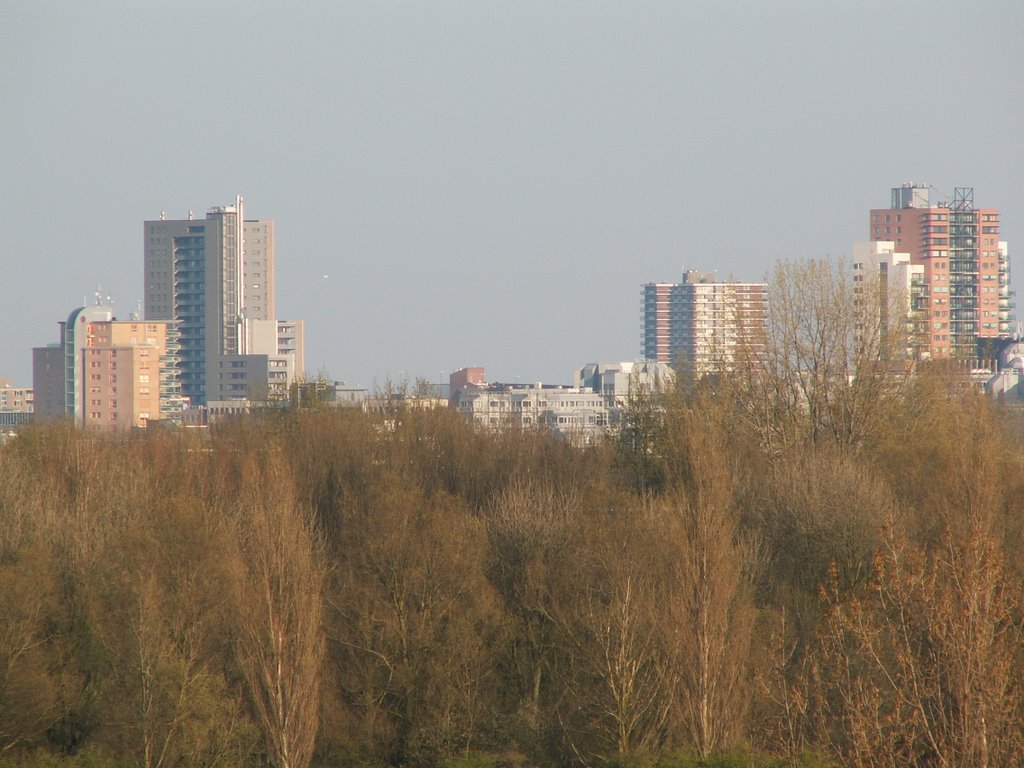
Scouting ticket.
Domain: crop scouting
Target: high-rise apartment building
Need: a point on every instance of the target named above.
(214, 278)
(48, 382)
(57, 370)
(966, 295)
(889, 283)
(121, 374)
(703, 324)
(108, 374)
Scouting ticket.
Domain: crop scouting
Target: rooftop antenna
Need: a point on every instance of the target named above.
(100, 297)
(944, 196)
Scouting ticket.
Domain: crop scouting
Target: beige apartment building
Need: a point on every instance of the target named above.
(121, 365)
(106, 373)
(14, 399)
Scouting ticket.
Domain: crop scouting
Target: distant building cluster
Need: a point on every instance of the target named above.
(208, 344)
(590, 407)
(958, 273)
(939, 270)
(208, 339)
(15, 405)
(108, 374)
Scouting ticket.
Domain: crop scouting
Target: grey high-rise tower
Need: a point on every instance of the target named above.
(213, 277)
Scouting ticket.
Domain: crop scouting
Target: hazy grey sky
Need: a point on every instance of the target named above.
(485, 183)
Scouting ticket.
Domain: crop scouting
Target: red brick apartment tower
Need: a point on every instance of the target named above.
(965, 267)
(462, 379)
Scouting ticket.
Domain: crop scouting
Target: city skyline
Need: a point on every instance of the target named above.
(455, 185)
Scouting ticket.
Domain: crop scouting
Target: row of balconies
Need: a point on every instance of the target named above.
(962, 284)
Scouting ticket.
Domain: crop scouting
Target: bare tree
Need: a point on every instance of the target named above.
(158, 606)
(527, 528)
(412, 624)
(921, 666)
(832, 362)
(280, 614)
(816, 508)
(711, 609)
(784, 688)
(169, 668)
(28, 686)
(615, 675)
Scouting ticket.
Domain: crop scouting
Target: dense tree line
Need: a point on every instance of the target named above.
(730, 580)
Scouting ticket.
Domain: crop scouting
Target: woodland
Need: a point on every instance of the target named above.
(810, 562)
